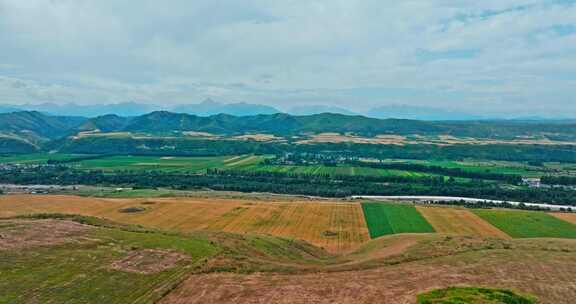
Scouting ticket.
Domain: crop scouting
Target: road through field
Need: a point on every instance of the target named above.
(454, 199)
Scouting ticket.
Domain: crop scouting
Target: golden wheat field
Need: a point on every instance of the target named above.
(459, 221)
(335, 226)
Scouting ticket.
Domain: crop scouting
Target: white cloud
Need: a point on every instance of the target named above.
(289, 51)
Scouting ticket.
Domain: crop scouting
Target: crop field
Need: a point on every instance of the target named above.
(459, 222)
(528, 224)
(170, 164)
(568, 217)
(500, 167)
(325, 170)
(35, 158)
(334, 226)
(384, 219)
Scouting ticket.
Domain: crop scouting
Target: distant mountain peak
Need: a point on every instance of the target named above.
(210, 107)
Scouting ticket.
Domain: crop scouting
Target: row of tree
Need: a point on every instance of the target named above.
(335, 186)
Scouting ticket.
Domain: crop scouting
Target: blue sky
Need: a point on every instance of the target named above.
(516, 56)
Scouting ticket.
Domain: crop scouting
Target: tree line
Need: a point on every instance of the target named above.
(333, 186)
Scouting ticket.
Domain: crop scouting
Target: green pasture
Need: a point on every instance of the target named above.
(528, 224)
(387, 218)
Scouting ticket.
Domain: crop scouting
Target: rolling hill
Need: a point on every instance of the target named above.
(27, 131)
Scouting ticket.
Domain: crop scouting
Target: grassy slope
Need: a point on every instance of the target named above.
(528, 224)
(383, 219)
(75, 273)
(473, 295)
(80, 273)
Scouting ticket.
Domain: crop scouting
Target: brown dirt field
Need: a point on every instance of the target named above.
(569, 217)
(149, 261)
(335, 226)
(21, 234)
(548, 275)
(460, 222)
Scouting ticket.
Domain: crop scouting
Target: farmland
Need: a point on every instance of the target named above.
(328, 170)
(256, 241)
(35, 158)
(526, 224)
(334, 226)
(254, 163)
(169, 164)
(384, 219)
(459, 221)
(568, 217)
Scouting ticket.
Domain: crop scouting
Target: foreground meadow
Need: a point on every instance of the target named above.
(250, 251)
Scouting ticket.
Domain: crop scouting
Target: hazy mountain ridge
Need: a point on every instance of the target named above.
(319, 109)
(280, 124)
(210, 107)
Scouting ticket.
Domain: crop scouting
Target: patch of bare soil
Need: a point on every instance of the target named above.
(548, 271)
(149, 261)
(396, 247)
(20, 234)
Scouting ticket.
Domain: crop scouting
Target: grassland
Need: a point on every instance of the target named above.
(528, 224)
(384, 219)
(80, 270)
(543, 268)
(74, 259)
(459, 222)
(473, 295)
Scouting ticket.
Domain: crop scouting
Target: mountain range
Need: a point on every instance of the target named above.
(210, 108)
(30, 130)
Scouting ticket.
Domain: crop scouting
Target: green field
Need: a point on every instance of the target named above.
(500, 167)
(168, 164)
(35, 158)
(528, 224)
(463, 295)
(326, 170)
(386, 218)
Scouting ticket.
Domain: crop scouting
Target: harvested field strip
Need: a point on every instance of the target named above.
(386, 218)
(334, 226)
(568, 217)
(242, 161)
(528, 224)
(459, 221)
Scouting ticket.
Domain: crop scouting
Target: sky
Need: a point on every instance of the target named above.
(516, 56)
